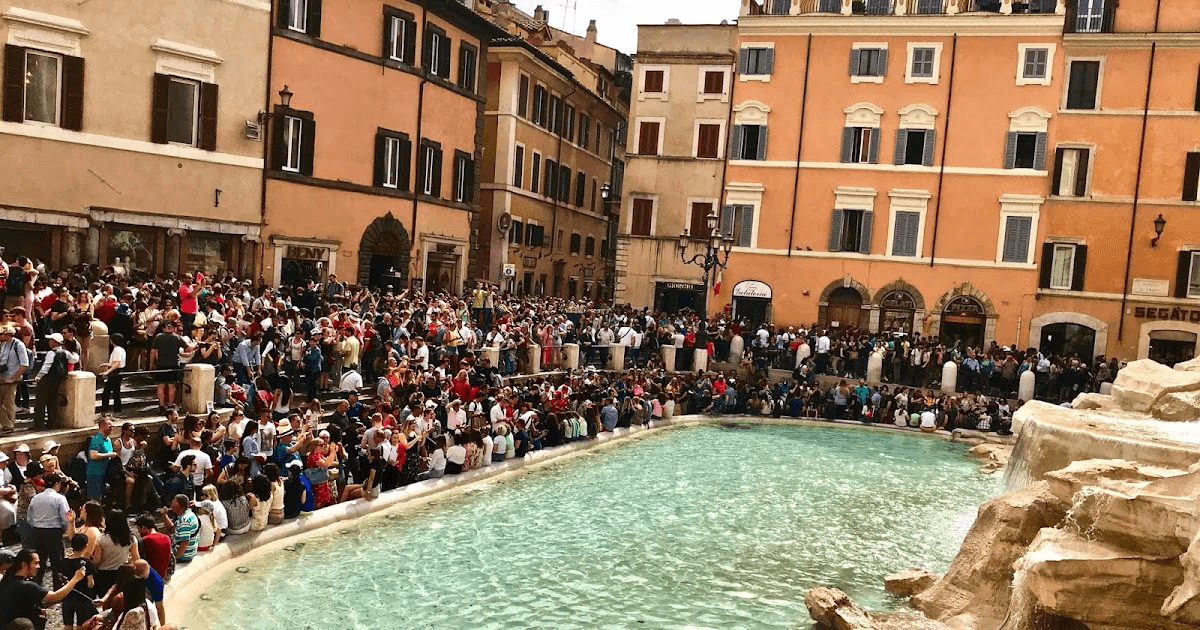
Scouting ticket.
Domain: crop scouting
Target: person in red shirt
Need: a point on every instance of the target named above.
(156, 546)
(189, 290)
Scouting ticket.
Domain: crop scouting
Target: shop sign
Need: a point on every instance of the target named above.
(1149, 287)
(447, 248)
(298, 252)
(1174, 314)
(964, 306)
(898, 300)
(680, 286)
(529, 261)
(752, 289)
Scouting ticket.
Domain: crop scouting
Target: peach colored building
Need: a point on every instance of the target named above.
(888, 162)
(372, 167)
(131, 134)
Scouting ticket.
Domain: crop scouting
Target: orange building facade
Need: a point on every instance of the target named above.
(375, 132)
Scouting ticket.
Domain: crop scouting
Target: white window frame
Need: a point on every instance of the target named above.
(905, 200)
(1066, 83)
(744, 194)
(399, 39)
(580, 235)
(854, 78)
(435, 51)
(629, 222)
(1019, 206)
(1049, 78)
(1191, 266)
(427, 175)
(1057, 246)
(662, 134)
(58, 89)
(1052, 155)
(460, 178)
(293, 140)
(298, 17)
(195, 111)
(666, 87)
(701, 95)
(391, 162)
(937, 63)
(765, 78)
(696, 138)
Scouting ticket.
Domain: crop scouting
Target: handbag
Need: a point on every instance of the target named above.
(317, 475)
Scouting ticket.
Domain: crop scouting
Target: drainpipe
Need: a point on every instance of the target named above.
(265, 135)
(420, 117)
(799, 147)
(937, 209)
(1137, 189)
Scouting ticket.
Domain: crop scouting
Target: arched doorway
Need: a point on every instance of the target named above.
(964, 320)
(897, 310)
(1065, 339)
(845, 308)
(383, 254)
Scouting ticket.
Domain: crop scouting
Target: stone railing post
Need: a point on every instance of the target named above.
(736, 346)
(535, 358)
(491, 354)
(571, 361)
(1027, 386)
(701, 359)
(616, 357)
(875, 368)
(97, 347)
(199, 387)
(79, 410)
(949, 377)
(668, 357)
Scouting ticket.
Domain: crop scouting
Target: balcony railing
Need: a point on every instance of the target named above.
(925, 7)
(1090, 16)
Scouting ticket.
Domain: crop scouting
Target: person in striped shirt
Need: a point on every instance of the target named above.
(183, 527)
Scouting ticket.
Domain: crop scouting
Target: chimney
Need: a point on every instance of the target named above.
(591, 32)
(540, 14)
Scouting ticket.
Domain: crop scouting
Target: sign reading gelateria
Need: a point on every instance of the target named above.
(1169, 313)
(752, 289)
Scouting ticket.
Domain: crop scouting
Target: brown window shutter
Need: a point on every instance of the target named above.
(1183, 273)
(437, 173)
(1081, 173)
(72, 93)
(1191, 177)
(313, 27)
(14, 83)
(278, 149)
(699, 223)
(1046, 267)
(158, 109)
(380, 161)
(308, 142)
(405, 163)
(208, 116)
(284, 9)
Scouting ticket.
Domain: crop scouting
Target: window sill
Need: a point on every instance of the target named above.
(919, 80)
(1021, 81)
(764, 78)
(866, 79)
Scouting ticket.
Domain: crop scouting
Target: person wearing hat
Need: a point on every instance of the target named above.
(8, 499)
(14, 361)
(48, 379)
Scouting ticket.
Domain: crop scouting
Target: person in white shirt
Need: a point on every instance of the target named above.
(455, 415)
(456, 458)
(928, 421)
(497, 415)
(203, 463)
(351, 381)
(112, 371)
(488, 445)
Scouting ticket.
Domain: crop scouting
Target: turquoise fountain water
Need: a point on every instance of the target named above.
(711, 526)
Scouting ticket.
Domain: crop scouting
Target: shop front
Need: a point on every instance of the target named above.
(443, 267)
(299, 260)
(752, 301)
(27, 239)
(897, 312)
(964, 321)
(1169, 334)
(672, 296)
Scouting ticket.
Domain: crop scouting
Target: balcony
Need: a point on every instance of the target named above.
(916, 7)
(1090, 16)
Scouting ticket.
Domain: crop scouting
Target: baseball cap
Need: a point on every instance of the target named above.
(56, 337)
(24, 448)
(295, 463)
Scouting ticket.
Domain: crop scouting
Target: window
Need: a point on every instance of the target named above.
(653, 81)
(43, 84)
(182, 111)
(914, 146)
(850, 231)
(1015, 247)
(429, 169)
(42, 87)
(437, 52)
(585, 131)
(297, 15)
(589, 248)
(1187, 275)
(468, 59)
(576, 242)
(860, 145)
(592, 204)
(1083, 84)
(708, 141)
(301, 16)
(523, 96)
(1071, 172)
(539, 105)
(868, 62)
(756, 61)
(1191, 177)
(554, 121)
(922, 62)
(780, 7)
(648, 138)
(399, 35)
(604, 248)
(1036, 63)
(1026, 149)
(714, 82)
(749, 142)
(464, 177)
(518, 179)
(564, 183)
(550, 179)
(580, 188)
(560, 240)
(535, 235)
(1062, 266)
(568, 126)
(1090, 15)
(737, 222)
(535, 172)
(392, 159)
(293, 141)
(643, 215)
(907, 233)
(516, 233)
(698, 225)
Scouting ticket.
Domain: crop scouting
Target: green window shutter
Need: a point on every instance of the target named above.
(1046, 267)
(864, 234)
(308, 144)
(1039, 153)
(1191, 177)
(762, 142)
(746, 237)
(835, 230)
(873, 154)
(855, 56)
(735, 153)
(1010, 150)
(847, 145)
(405, 164)
(285, 11)
(1080, 267)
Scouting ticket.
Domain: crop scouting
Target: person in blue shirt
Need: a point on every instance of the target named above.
(100, 453)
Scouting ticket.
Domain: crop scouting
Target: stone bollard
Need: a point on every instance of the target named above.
(535, 358)
(701, 360)
(571, 362)
(1106, 389)
(803, 353)
(736, 346)
(668, 357)
(677, 339)
(97, 354)
(491, 354)
(79, 412)
(616, 357)
(875, 368)
(198, 387)
(949, 377)
(668, 409)
(1027, 386)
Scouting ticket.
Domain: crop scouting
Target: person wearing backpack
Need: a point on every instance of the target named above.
(48, 380)
(14, 286)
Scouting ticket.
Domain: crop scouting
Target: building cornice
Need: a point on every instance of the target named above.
(993, 25)
(1131, 40)
(685, 58)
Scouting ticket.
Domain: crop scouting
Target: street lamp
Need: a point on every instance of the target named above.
(285, 97)
(715, 255)
(1159, 224)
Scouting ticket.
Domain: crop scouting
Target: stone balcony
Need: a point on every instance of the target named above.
(901, 7)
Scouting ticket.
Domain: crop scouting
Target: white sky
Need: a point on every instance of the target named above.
(617, 20)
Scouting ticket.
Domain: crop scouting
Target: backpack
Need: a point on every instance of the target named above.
(58, 369)
(15, 284)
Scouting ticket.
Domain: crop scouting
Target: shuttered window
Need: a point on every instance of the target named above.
(643, 213)
(535, 172)
(654, 81)
(1071, 172)
(585, 131)
(743, 225)
(393, 158)
(576, 243)
(708, 141)
(580, 188)
(1187, 275)
(868, 62)
(437, 52)
(550, 179)
(399, 35)
(302, 16)
(464, 177)
(1191, 177)
(539, 105)
(1083, 82)
(523, 96)
(922, 62)
(468, 60)
(518, 179)
(43, 87)
(589, 248)
(293, 141)
(914, 146)
(429, 168)
(1035, 64)
(714, 82)
(1016, 239)
(1025, 150)
(749, 142)
(1059, 266)
(907, 233)
(850, 230)
(698, 223)
(648, 138)
(756, 61)
(516, 233)
(564, 183)
(860, 145)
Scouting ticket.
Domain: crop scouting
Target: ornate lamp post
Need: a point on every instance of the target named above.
(715, 255)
